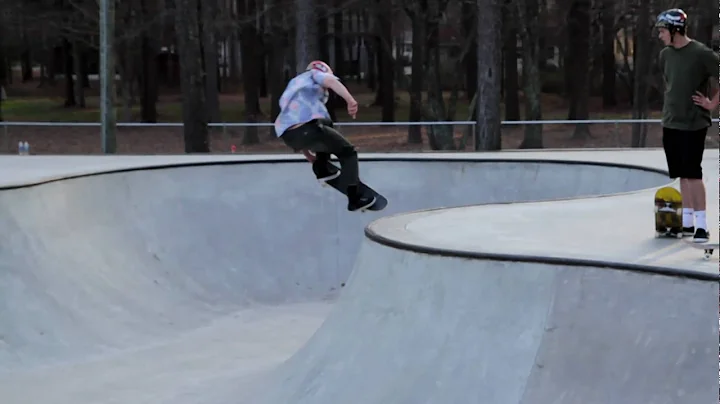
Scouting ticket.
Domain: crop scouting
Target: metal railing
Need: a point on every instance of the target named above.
(394, 123)
(617, 133)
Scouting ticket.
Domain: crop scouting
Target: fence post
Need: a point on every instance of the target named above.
(617, 134)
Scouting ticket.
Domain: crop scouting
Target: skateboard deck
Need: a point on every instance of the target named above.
(668, 213)
(340, 184)
(708, 247)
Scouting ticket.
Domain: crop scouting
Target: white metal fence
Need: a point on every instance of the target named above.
(615, 131)
(269, 124)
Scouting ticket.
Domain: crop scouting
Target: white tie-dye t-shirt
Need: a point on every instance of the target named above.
(302, 101)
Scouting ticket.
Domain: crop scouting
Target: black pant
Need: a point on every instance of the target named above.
(320, 137)
(684, 152)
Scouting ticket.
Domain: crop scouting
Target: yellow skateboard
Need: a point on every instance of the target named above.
(668, 213)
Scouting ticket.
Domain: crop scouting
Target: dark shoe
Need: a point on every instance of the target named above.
(688, 231)
(701, 236)
(322, 173)
(359, 202)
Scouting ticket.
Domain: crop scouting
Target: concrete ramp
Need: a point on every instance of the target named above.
(187, 285)
(98, 264)
(417, 328)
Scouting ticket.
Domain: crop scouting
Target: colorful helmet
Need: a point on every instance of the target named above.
(319, 65)
(674, 20)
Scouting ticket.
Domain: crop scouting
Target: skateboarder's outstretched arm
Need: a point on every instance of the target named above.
(334, 84)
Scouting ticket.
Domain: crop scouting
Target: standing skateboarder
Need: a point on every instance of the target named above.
(687, 66)
(304, 124)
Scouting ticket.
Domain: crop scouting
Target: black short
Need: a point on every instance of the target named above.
(684, 152)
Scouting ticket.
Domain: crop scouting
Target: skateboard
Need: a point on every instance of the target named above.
(708, 247)
(340, 184)
(668, 213)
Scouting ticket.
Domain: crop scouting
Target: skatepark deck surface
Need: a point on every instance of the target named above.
(216, 279)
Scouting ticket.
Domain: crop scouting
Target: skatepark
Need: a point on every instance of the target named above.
(507, 278)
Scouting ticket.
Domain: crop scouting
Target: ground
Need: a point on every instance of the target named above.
(28, 103)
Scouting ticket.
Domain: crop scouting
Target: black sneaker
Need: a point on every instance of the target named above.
(359, 202)
(688, 231)
(701, 236)
(322, 173)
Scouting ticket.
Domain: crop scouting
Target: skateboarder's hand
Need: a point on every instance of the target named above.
(309, 156)
(352, 107)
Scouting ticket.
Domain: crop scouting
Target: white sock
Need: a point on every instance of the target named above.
(700, 220)
(687, 217)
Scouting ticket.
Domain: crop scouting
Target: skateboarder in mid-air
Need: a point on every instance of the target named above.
(304, 124)
(687, 66)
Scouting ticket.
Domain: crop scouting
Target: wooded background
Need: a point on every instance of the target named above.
(443, 56)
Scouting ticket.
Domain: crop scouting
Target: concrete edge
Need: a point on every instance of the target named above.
(429, 158)
(250, 159)
(374, 234)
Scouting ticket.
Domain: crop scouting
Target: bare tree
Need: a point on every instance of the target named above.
(416, 13)
(386, 71)
(276, 35)
(641, 64)
(469, 20)
(194, 108)
(528, 19)
(210, 12)
(248, 46)
(150, 47)
(511, 83)
(306, 39)
(487, 129)
(578, 65)
(608, 54)
(440, 137)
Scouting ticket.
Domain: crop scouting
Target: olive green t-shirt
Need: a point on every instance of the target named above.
(686, 70)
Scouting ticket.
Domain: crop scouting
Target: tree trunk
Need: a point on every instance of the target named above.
(703, 27)
(26, 60)
(529, 28)
(189, 46)
(386, 89)
(233, 59)
(275, 52)
(510, 51)
(68, 70)
(487, 128)
(440, 137)
(579, 51)
(340, 68)
(209, 11)
(469, 12)
(323, 48)
(261, 63)
(149, 90)
(3, 80)
(79, 71)
(306, 40)
(416, 78)
(641, 63)
(248, 48)
(149, 67)
(608, 58)
(370, 52)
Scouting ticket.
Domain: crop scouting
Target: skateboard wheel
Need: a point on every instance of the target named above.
(679, 235)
